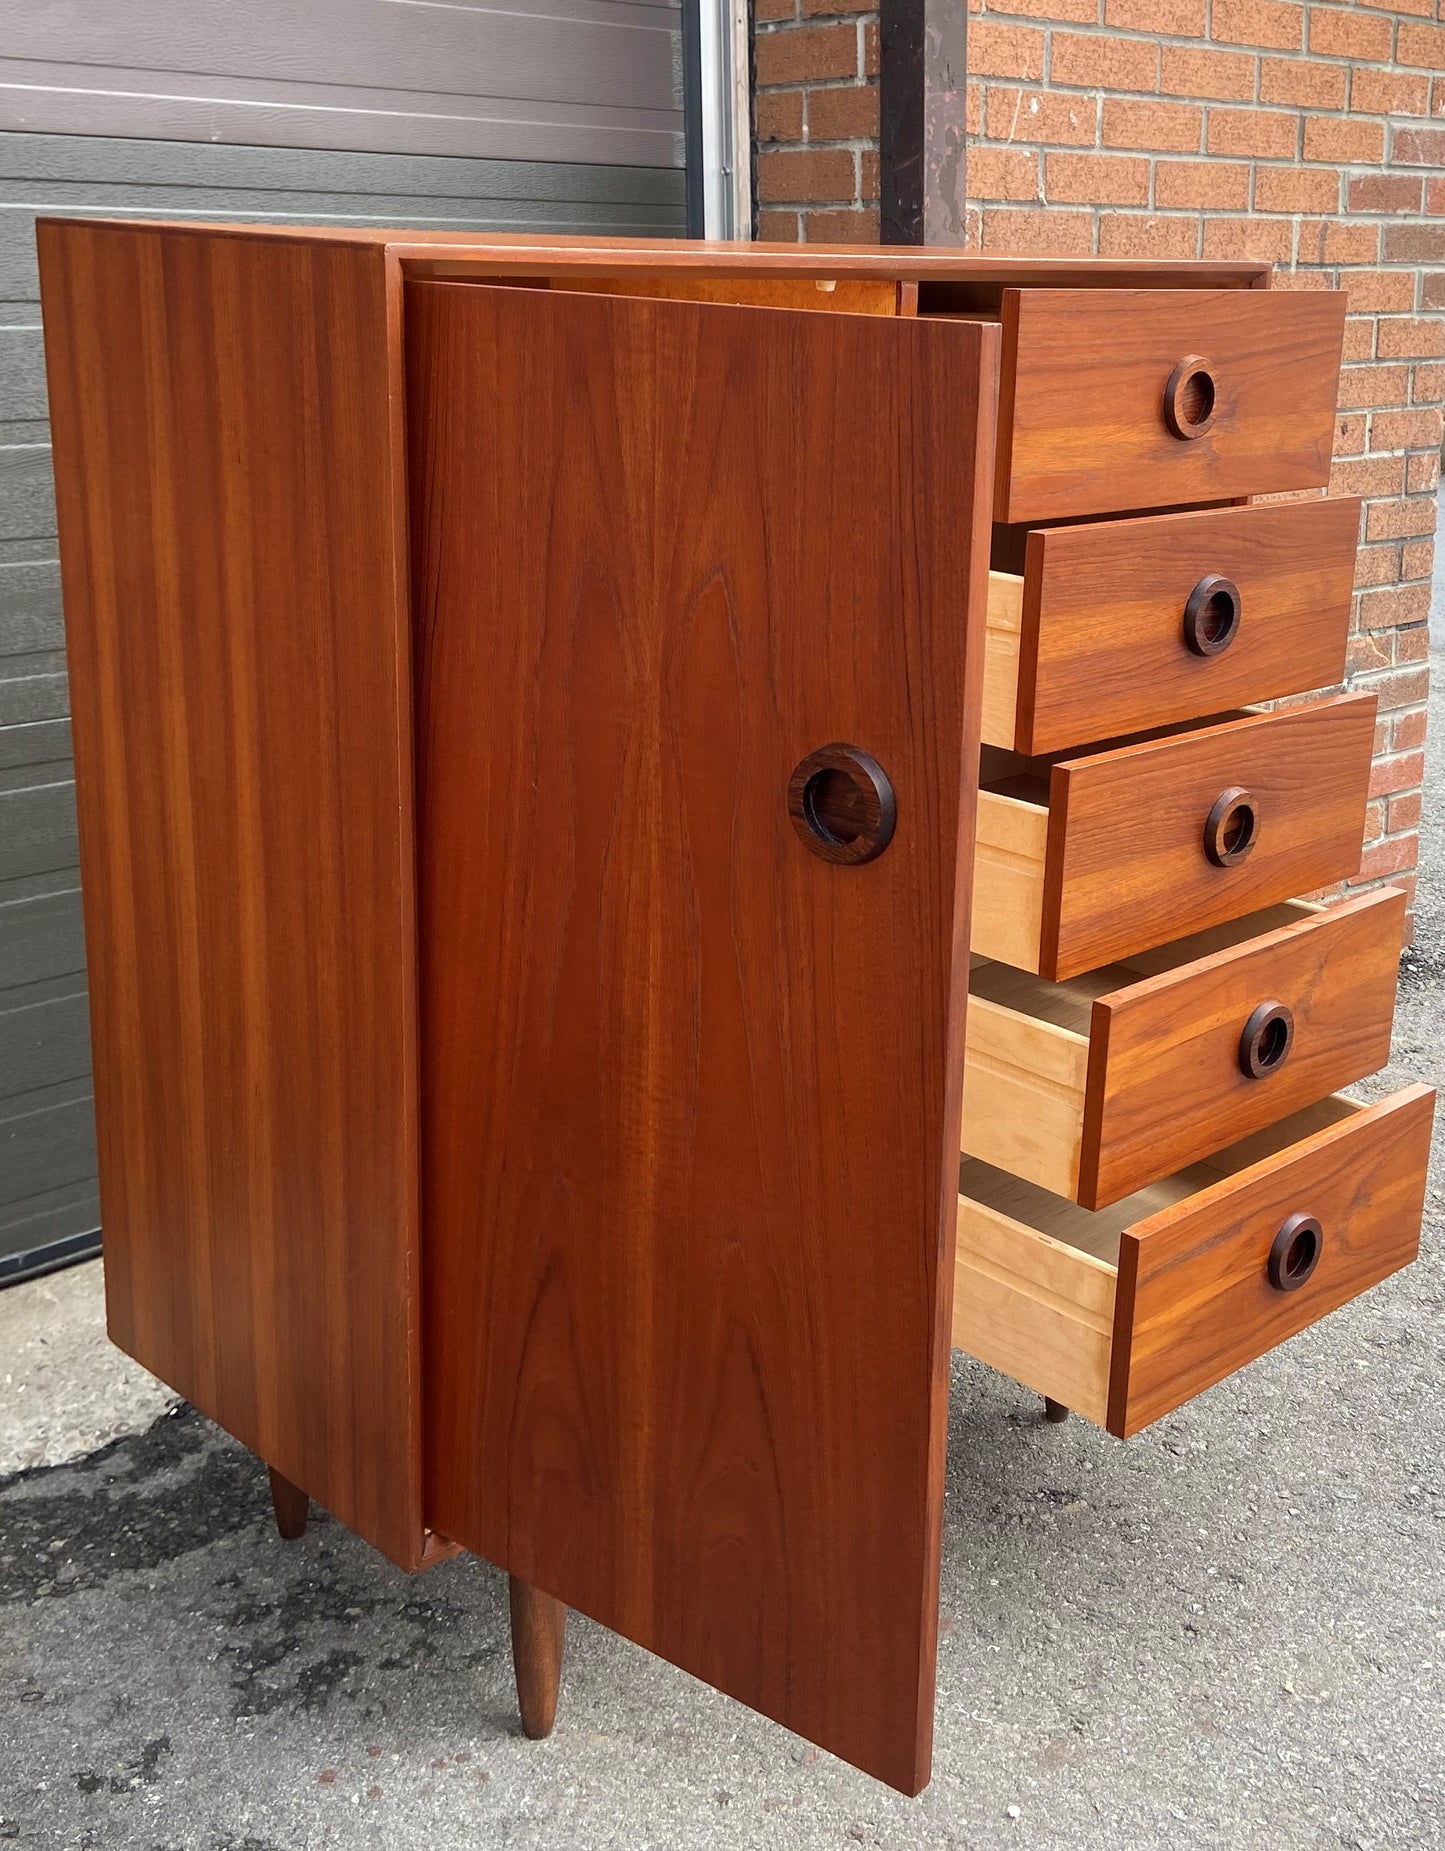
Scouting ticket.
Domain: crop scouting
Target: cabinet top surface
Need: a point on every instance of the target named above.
(426, 253)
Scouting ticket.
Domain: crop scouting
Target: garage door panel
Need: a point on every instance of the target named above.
(47, 1144)
(608, 215)
(22, 373)
(340, 112)
(30, 607)
(37, 829)
(44, 1036)
(27, 492)
(40, 933)
(588, 80)
(34, 690)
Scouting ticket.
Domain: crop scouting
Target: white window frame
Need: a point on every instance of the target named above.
(727, 128)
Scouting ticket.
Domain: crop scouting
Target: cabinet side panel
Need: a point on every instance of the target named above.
(227, 438)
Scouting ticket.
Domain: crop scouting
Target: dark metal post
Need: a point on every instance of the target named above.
(921, 120)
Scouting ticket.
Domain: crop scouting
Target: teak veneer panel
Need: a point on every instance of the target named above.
(1165, 1085)
(847, 295)
(1082, 427)
(1099, 1085)
(1125, 828)
(1123, 865)
(1194, 1302)
(1090, 860)
(693, 1091)
(1099, 615)
(422, 254)
(227, 427)
(1128, 1312)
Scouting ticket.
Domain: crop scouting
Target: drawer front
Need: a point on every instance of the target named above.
(1172, 835)
(1128, 625)
(1195, 1298)
(1124, 399)
(1185, 1063)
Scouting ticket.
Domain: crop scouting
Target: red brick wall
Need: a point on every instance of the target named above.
(1301, 133)
(817, 120)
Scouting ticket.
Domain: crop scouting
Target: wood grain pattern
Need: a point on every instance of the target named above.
(1003, 648)
(848, 295)
(1081, 424)
(1011, 856)
(539, 1639)
(1126, 866)
(1034, 1307)
(1165, 1086)
(1127, 1312)
(227, 429)
(291, 1506)
(693, 1092)
(1194, 1302)
(423, 254)
(1025, 1084)
(1103, 1083)
(1101, 649)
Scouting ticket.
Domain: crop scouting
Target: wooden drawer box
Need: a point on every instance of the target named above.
(1128, 1313)
(1095, 1087)
(1112, 400)
(1112, 627)
(1088, 860)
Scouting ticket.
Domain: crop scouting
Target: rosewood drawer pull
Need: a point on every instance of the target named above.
(1211, 615)
(1190, 398)
(1266, 1041)
(1295, 1252)
(842, 804)
(1231, 828)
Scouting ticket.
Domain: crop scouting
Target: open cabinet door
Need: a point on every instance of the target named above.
(691, 1048)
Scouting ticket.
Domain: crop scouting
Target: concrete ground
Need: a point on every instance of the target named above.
(1229, 1632)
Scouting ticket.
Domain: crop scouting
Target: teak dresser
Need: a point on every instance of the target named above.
(593, 760)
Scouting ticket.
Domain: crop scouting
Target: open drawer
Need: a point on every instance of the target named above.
(1112, 627)
(1086, 860)
(1094, 1087)
(1126, 1314)
(1147, 398)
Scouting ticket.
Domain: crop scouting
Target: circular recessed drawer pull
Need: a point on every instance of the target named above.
(842, 805)
(1211, 615)
(1190, 397)
(1232, 827)
(1266, 1040)
(1295, 1252)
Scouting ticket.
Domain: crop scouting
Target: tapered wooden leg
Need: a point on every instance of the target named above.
(1054, 1410)
(291, 1505)
(539, 1632)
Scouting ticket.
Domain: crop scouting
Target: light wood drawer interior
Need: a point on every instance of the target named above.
(1125, 1313)
(1093, 1087)
(1083, 861)
(1107, 628)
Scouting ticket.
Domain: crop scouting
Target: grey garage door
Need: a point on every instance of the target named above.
(566, 117)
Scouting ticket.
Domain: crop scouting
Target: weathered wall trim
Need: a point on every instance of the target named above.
(922, 46)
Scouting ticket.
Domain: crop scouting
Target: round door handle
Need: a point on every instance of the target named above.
(1191, 397)
(1211, 615)
(1232, 827)
(842, 804)
(1295, 1252)
(1266, 1040)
